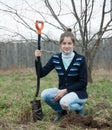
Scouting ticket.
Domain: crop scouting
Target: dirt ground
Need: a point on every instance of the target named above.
(101, 119)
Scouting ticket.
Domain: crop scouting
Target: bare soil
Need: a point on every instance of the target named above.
(101, 119)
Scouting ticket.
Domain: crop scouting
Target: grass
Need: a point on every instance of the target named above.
(17, 89)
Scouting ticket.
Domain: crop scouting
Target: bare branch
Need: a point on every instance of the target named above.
(78, 19)
(103, 15)
(11, 11)
(54, 15)
(92, 5)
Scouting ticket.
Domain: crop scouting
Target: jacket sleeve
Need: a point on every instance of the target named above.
(46, 69)
(81, 83)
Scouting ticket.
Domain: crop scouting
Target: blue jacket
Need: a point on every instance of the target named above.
(74, 79)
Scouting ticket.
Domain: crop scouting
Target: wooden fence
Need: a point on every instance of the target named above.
(21, 54)
(103, 57)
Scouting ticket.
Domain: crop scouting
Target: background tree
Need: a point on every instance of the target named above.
(88, 41)
(79, 15)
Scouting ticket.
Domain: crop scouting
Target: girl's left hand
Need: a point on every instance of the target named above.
(60, 94)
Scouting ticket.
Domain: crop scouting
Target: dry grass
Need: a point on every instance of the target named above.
(102, 74)
(16, 70)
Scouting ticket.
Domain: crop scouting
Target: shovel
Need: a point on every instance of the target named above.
(36, 103)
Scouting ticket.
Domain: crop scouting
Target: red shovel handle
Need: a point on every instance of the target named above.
(39, 26)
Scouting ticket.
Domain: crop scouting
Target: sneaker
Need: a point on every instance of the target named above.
(82, 112)
(60, 115)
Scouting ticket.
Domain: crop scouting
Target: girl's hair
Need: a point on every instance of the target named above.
(67, 33)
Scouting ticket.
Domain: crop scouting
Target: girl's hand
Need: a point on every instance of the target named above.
(38, 53)
(60, 94)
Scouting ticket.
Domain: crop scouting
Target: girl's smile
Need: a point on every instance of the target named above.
(67, 45)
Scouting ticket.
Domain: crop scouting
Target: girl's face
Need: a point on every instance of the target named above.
(67, 45)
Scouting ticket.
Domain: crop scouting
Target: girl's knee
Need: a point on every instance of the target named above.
(44, 94)
(64, 104)
(48, 94)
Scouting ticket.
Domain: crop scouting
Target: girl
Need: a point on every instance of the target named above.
(71, 68)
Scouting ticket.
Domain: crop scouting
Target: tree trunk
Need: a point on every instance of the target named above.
(90, 80)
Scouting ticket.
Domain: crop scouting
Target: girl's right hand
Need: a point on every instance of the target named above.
(38, 53)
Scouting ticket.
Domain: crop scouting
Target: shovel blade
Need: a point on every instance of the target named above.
(36, 110)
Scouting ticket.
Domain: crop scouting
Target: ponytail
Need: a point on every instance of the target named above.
(67, 33)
